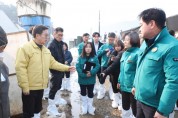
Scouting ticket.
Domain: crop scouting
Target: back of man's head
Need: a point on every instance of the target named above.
(86, 34)
(59, 29)
(38, 30)
(3, 37)
(112, 35)
(158, 15)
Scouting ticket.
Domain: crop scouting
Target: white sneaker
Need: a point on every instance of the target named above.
(36, 115)
(58, 100)
(84, 105)
(114, 104)
(52, 109)
(62, 88)
(67, 84)
(120, 107)
(101, 92)
(63, 84)
(176, 108)
(116, 100)
(126, 113)
(111, 96)
(171, 115)
(46, 93)
(95, 90)
(90, 108)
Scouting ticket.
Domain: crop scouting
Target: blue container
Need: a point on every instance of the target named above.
(28, 21)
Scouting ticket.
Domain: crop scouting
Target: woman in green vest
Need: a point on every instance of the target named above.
(128, 64)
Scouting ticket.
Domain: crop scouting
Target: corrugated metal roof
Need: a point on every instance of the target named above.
(8, 25)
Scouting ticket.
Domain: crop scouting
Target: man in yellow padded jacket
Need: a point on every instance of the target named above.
(33, 62)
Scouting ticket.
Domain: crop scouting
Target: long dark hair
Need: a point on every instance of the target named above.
(119, 43)
(65, 45)
(84, 54)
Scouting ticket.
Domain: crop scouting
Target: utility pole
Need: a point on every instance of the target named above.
(99, 22)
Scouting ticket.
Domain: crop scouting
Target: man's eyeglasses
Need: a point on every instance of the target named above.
(60, 34)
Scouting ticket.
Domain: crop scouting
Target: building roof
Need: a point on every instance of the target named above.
(8, 25)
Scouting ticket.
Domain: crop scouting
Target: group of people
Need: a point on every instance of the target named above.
(142, 71)
(143, 75)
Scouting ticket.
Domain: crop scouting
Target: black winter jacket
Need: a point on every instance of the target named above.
(114, 67)
(57, 52)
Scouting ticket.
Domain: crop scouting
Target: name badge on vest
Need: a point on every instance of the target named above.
(129, 59)
(175, 59)
(154, 49)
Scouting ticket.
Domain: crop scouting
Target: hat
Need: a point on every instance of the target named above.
(3, 37)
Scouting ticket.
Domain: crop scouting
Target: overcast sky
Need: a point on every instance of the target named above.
(80, 16)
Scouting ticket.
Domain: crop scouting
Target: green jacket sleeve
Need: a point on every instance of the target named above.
(79, 68)
(101, 51)
(136, 69)
(97, 67)
(170, 91)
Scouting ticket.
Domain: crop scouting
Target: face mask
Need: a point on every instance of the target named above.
(1, 56)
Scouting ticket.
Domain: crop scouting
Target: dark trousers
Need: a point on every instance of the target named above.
(32, 103)
(87, 90)
(177, 103)
(55, 85)
(67, 74)
(127, 101)
(114, 81)
(145, 111)
(102, 79)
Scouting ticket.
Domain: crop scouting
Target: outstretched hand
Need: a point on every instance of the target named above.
(72, 68)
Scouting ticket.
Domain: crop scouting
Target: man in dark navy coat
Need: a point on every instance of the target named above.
(97, 44)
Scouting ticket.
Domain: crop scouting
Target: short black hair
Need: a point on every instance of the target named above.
(112, 35)
(38, 30)
(84, 54)
(86, 34)
(96, 33)
(3, 37)
(134, 38)
(158, 15)
(59, 29)
(65, 45)
(172, 32)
